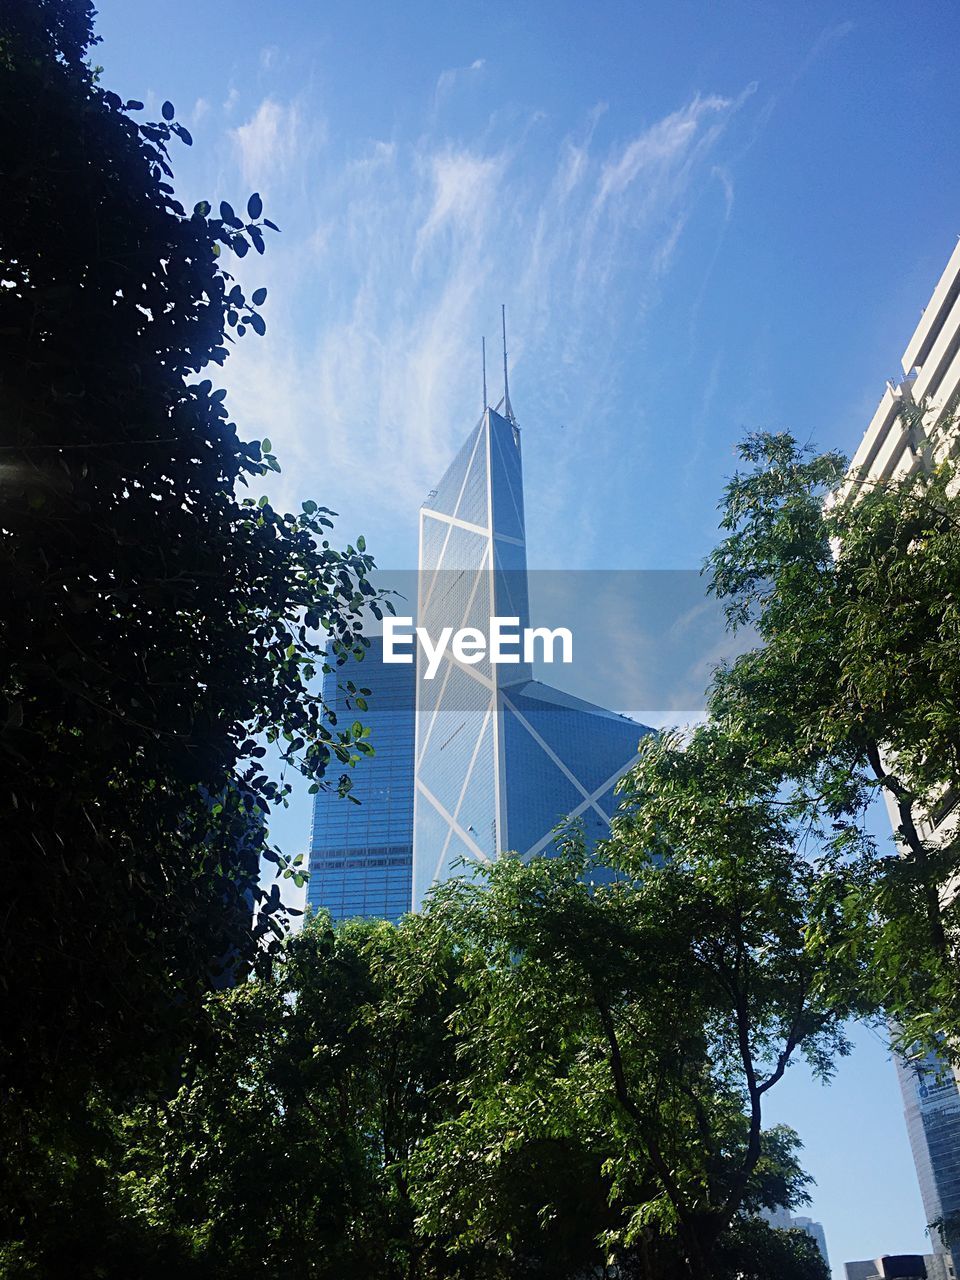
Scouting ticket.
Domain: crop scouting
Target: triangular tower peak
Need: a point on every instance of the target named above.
(507, 407)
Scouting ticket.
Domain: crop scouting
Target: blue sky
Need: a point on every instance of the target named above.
(703, 219)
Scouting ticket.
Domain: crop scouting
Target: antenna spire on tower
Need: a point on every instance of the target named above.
(483, 342)
(507, 407)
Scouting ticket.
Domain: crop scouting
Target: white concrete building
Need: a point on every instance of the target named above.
(915, 427)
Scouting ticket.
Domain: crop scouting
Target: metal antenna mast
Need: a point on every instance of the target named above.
(484, 347)
(507, 407)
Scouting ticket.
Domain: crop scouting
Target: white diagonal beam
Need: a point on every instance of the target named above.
(549, 751)
(478, 578)
(463, 791)
(448, 817)
(583, 806)
(450, 521)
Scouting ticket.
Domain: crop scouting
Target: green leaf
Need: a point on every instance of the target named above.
(266, 446)
(254, 206)
(184, 541)
(361, 543)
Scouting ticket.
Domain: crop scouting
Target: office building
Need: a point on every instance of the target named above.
(901, 1266)
(361, 854)
(931, 1105)
(913, 423)
(480, 758)
(913, 428)
(501, 758)
(816, 1233)
(784, 1220)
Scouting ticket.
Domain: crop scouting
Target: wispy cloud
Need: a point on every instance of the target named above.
(447, 80)
(656, 150)
(464, 196)
(272, 139)
(822, 45)
(401, 256)
(722, 174)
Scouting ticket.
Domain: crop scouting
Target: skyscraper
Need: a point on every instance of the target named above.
(361, 854)
(481, 758)
(915, 426)
(783, 1220)
(931, 1106)
(501, 758)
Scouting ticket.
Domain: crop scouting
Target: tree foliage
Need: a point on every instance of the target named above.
(560, 1068)
(854, 691)
(314, 1086)
(653, 1012)
(388, 1102)
(157, 625)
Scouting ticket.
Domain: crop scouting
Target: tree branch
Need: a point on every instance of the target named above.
(908, 830)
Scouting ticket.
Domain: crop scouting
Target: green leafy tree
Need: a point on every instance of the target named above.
(647, 1018)
(407, 1104)
(749, 1250)
(855, 690)
(753, 1251)
(157, 626)
(285, 1152)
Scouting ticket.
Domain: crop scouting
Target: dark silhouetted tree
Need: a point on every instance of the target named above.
(156, 625)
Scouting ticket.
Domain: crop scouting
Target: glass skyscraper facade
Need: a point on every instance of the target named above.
(481, 758)
(501, 758)
(361, 854)
(931, 1105)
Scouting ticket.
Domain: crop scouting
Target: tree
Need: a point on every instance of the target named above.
(404, 1103)
(855, 689)
(653, 1013)
(157, 625)
(285, 1150)
(754, 1251)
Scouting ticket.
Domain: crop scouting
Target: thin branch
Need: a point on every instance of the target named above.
(904, 801)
